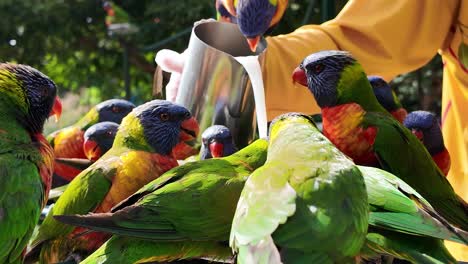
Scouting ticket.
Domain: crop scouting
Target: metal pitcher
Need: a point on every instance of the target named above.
(214, 86)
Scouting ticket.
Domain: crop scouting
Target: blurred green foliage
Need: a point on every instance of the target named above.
(68, 40)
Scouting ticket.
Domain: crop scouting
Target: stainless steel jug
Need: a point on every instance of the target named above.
(214, 86)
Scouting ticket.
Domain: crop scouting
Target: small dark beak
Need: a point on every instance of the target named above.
(56, 109)
(92, 150)
(299, 76)
(189, 130)
(253, 43)
(216, 149)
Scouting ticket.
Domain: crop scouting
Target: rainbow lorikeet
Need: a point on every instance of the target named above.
(359, 126)
(426, 128)
(387, 97)
(255, 17)
(142, 151)
(68, 142)
(98, 139)
(193, 202)
(400, 221)
(217, 142)
(27, 99)
(309, 200)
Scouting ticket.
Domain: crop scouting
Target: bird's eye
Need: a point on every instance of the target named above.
(109, 133)
(164, 116)
(116, 109)
(318, 68)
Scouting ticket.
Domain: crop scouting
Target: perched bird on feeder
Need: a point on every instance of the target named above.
(255, 17)
(387, 98)
(68, 142)
(193, 202)
(27, 99)
(217, 142)
(426, 128)
(359, 126)
(142, 151)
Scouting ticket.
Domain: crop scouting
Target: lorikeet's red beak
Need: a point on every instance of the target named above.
(189, 130)
(253, 43)
(216, 149)
(91, 149)
(56, 109)
(299, 76)
(400, 114)
(417, 133)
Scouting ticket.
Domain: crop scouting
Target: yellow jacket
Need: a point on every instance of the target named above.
(388, 37)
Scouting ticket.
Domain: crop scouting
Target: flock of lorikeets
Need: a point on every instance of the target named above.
(132, 187)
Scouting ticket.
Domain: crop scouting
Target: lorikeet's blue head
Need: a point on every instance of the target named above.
(255, 17)
(29, 95)
(384, 93)
(114, 110)
(321, 72)
(425, 126)
(98, 139)
(387, 97)
(217, 142)
(165, 124)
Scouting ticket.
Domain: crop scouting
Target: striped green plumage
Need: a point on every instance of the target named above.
(308, 197)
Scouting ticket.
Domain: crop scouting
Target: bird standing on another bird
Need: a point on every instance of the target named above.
(255, 17)
(387, 98)
(217, 142)
(142, 151)
(27, 99)
(68, 142)
(359, 126)
(426, 128)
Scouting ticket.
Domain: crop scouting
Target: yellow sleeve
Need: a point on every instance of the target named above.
(388, 37)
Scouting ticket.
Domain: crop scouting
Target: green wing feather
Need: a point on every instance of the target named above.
(398, 207)
(21, 195)
(267, 201)
(193, 201)
(82, 195)
(402, 154)
(126, 250)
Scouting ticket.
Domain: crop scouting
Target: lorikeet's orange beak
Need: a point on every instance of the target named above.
(400, 114)
(299, 76)
(253, 43)
(216, 149)
(56, 109)
(418, 133)
(91, 150)
(189, 130)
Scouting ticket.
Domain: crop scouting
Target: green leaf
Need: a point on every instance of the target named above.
(463, 54)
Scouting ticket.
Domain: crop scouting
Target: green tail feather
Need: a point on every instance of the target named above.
(125, 250)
